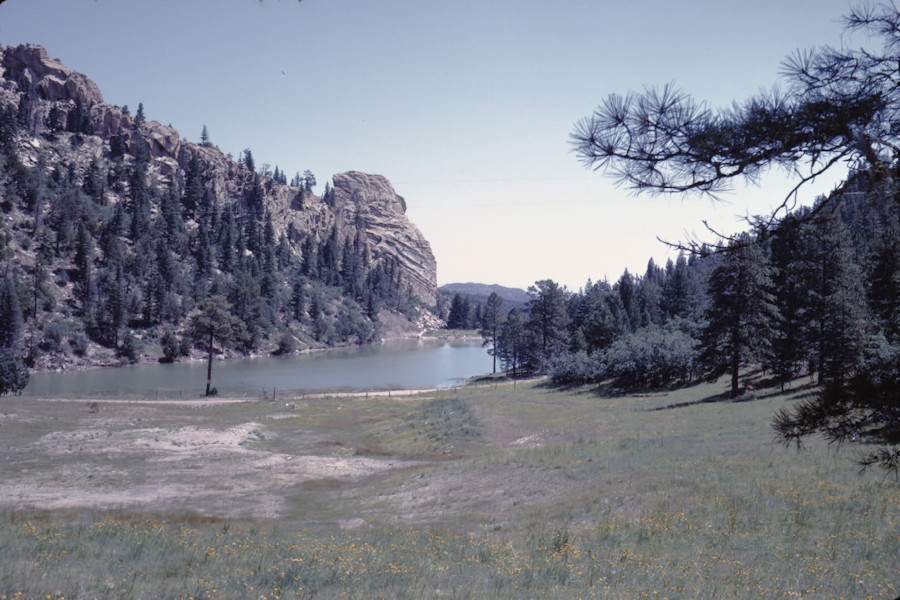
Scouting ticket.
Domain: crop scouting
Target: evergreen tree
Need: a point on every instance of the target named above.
(11, 320)
(309, 180)
(298, 299)
(213, 322)
(139, 117)
(513, 343)
(790, 346)
(835, 316)
(491, 322)
(627, 289)
(112, 308)
(548, 320)
(459, 312)
(245, 299)
(84, 257)
(139, 206)
(248, 160)
(596, 317)
(884, 283)
(194, 191)
(741, 310)
(13, 373)
(681, 290)
(228, 237)
(93, 184)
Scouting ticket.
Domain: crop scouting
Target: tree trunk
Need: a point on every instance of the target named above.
(209, 364)
(493, 349)
(735, 370)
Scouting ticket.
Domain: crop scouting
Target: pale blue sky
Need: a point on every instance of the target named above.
(465, 106)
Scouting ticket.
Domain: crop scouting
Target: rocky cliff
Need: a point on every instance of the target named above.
(115, 229)
(56, 94)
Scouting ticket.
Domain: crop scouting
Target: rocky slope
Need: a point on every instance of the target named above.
(71, 96)
(114, 229)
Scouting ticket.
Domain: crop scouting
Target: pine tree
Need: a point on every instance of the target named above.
(548, 320)
(491, 322)
(228, 237)
(298, 299)
(213, 322)
(248, 160)
(513, 343)
(194, 191)
(741, 311)
(13, 373)
(627, 291)
(790, 347)
(459, 312)
(884, 283)
(84, 257)
(139, 118)
(11, 320)
(681, 290)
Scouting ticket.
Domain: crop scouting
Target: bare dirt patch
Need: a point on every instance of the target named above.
(147, 458)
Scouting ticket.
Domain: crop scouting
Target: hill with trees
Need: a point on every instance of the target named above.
(116, 232)
(463, 305)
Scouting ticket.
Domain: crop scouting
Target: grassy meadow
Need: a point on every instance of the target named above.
(496, 491)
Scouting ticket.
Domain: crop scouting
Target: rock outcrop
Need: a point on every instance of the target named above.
(358, 200)
(370, 199)
(47, 77)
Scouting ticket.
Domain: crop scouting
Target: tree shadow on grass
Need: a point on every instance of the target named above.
(759, 390)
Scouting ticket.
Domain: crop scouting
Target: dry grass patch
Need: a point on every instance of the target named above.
(497, 492)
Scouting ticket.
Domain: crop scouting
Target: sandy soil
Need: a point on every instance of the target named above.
(116, 463)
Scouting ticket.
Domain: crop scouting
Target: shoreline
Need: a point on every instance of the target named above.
(149, 360)
(293, 395)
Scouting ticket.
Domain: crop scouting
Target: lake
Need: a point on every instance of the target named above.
(397, 364)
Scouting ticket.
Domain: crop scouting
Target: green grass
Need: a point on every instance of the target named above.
(494, 492)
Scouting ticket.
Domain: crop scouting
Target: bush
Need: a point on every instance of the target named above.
(286, 344)
(53, 337)
(13, 374)
(79, 343)
(131, 347)
(651, 357)
(171, 346)
(575, 368)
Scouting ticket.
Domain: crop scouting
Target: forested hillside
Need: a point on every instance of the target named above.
(115, 231)
(463, 305)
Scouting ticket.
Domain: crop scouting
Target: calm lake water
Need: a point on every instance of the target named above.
(400, 364)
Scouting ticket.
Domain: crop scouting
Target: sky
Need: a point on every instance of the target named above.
(465, 106)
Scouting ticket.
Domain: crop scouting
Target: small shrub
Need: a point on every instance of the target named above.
(13, 374)
(131, 347)
(79, 343)
(286, 344)
(53, 338)
(171, 346)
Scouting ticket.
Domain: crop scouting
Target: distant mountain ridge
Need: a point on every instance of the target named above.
(481, 291)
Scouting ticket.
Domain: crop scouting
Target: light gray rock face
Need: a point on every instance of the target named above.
(372, 201)
(48, 77)
(296, 213)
